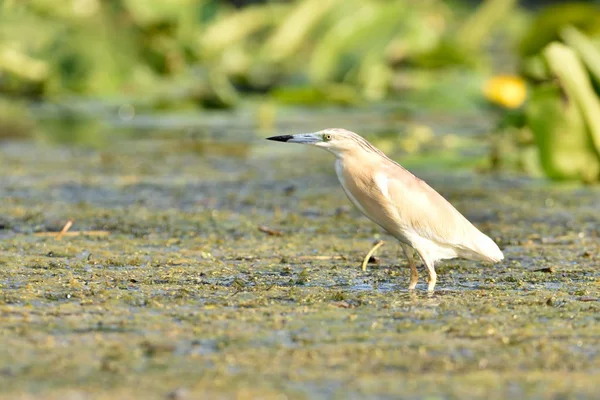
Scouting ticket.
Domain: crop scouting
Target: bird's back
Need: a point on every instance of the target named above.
(412, 211)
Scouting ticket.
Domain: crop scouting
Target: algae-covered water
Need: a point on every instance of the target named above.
(214, 264)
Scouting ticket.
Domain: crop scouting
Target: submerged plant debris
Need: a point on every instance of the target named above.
(165, 286)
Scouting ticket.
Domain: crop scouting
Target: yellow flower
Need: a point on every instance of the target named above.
(508, 91)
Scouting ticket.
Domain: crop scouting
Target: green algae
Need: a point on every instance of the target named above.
(184, 297)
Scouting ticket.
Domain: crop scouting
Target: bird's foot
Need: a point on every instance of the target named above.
(432, 281)
(414, 278)
(414, 275)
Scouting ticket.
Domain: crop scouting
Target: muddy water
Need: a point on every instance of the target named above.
(170, 290)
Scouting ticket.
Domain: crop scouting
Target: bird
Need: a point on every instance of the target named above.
(405, 206)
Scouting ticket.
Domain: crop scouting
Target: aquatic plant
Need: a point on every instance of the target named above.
(206, 52)
(557, 130)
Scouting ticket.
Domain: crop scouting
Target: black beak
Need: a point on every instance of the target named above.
(283, 138)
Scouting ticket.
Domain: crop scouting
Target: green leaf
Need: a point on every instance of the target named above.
(575, 80)
(585, 48)
(295, 27)
(561, 136)
(370, 28)
(548, 23)
(477, 27)
(565, 118)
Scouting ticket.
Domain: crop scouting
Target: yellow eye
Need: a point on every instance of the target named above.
(327, 137)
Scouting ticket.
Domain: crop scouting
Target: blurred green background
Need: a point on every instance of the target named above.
(69, 69)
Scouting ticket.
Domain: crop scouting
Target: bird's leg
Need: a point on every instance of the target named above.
(370, 253)
(431, 270)
(432, 275)
(414, 275)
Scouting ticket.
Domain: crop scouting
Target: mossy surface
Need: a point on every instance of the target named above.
(174, 292)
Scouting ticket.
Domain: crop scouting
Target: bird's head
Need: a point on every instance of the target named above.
(334, 140)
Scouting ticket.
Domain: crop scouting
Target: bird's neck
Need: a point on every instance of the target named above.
(339, 154)
(352, 153)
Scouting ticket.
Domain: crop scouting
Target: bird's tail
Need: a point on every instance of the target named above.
(488, 250)
(484, 249)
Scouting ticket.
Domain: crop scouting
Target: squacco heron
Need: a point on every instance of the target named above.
(402, 204)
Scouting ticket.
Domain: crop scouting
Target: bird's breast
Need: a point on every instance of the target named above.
(367, 190)
(348, 185)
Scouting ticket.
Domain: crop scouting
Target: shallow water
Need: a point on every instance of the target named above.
(172, 290)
